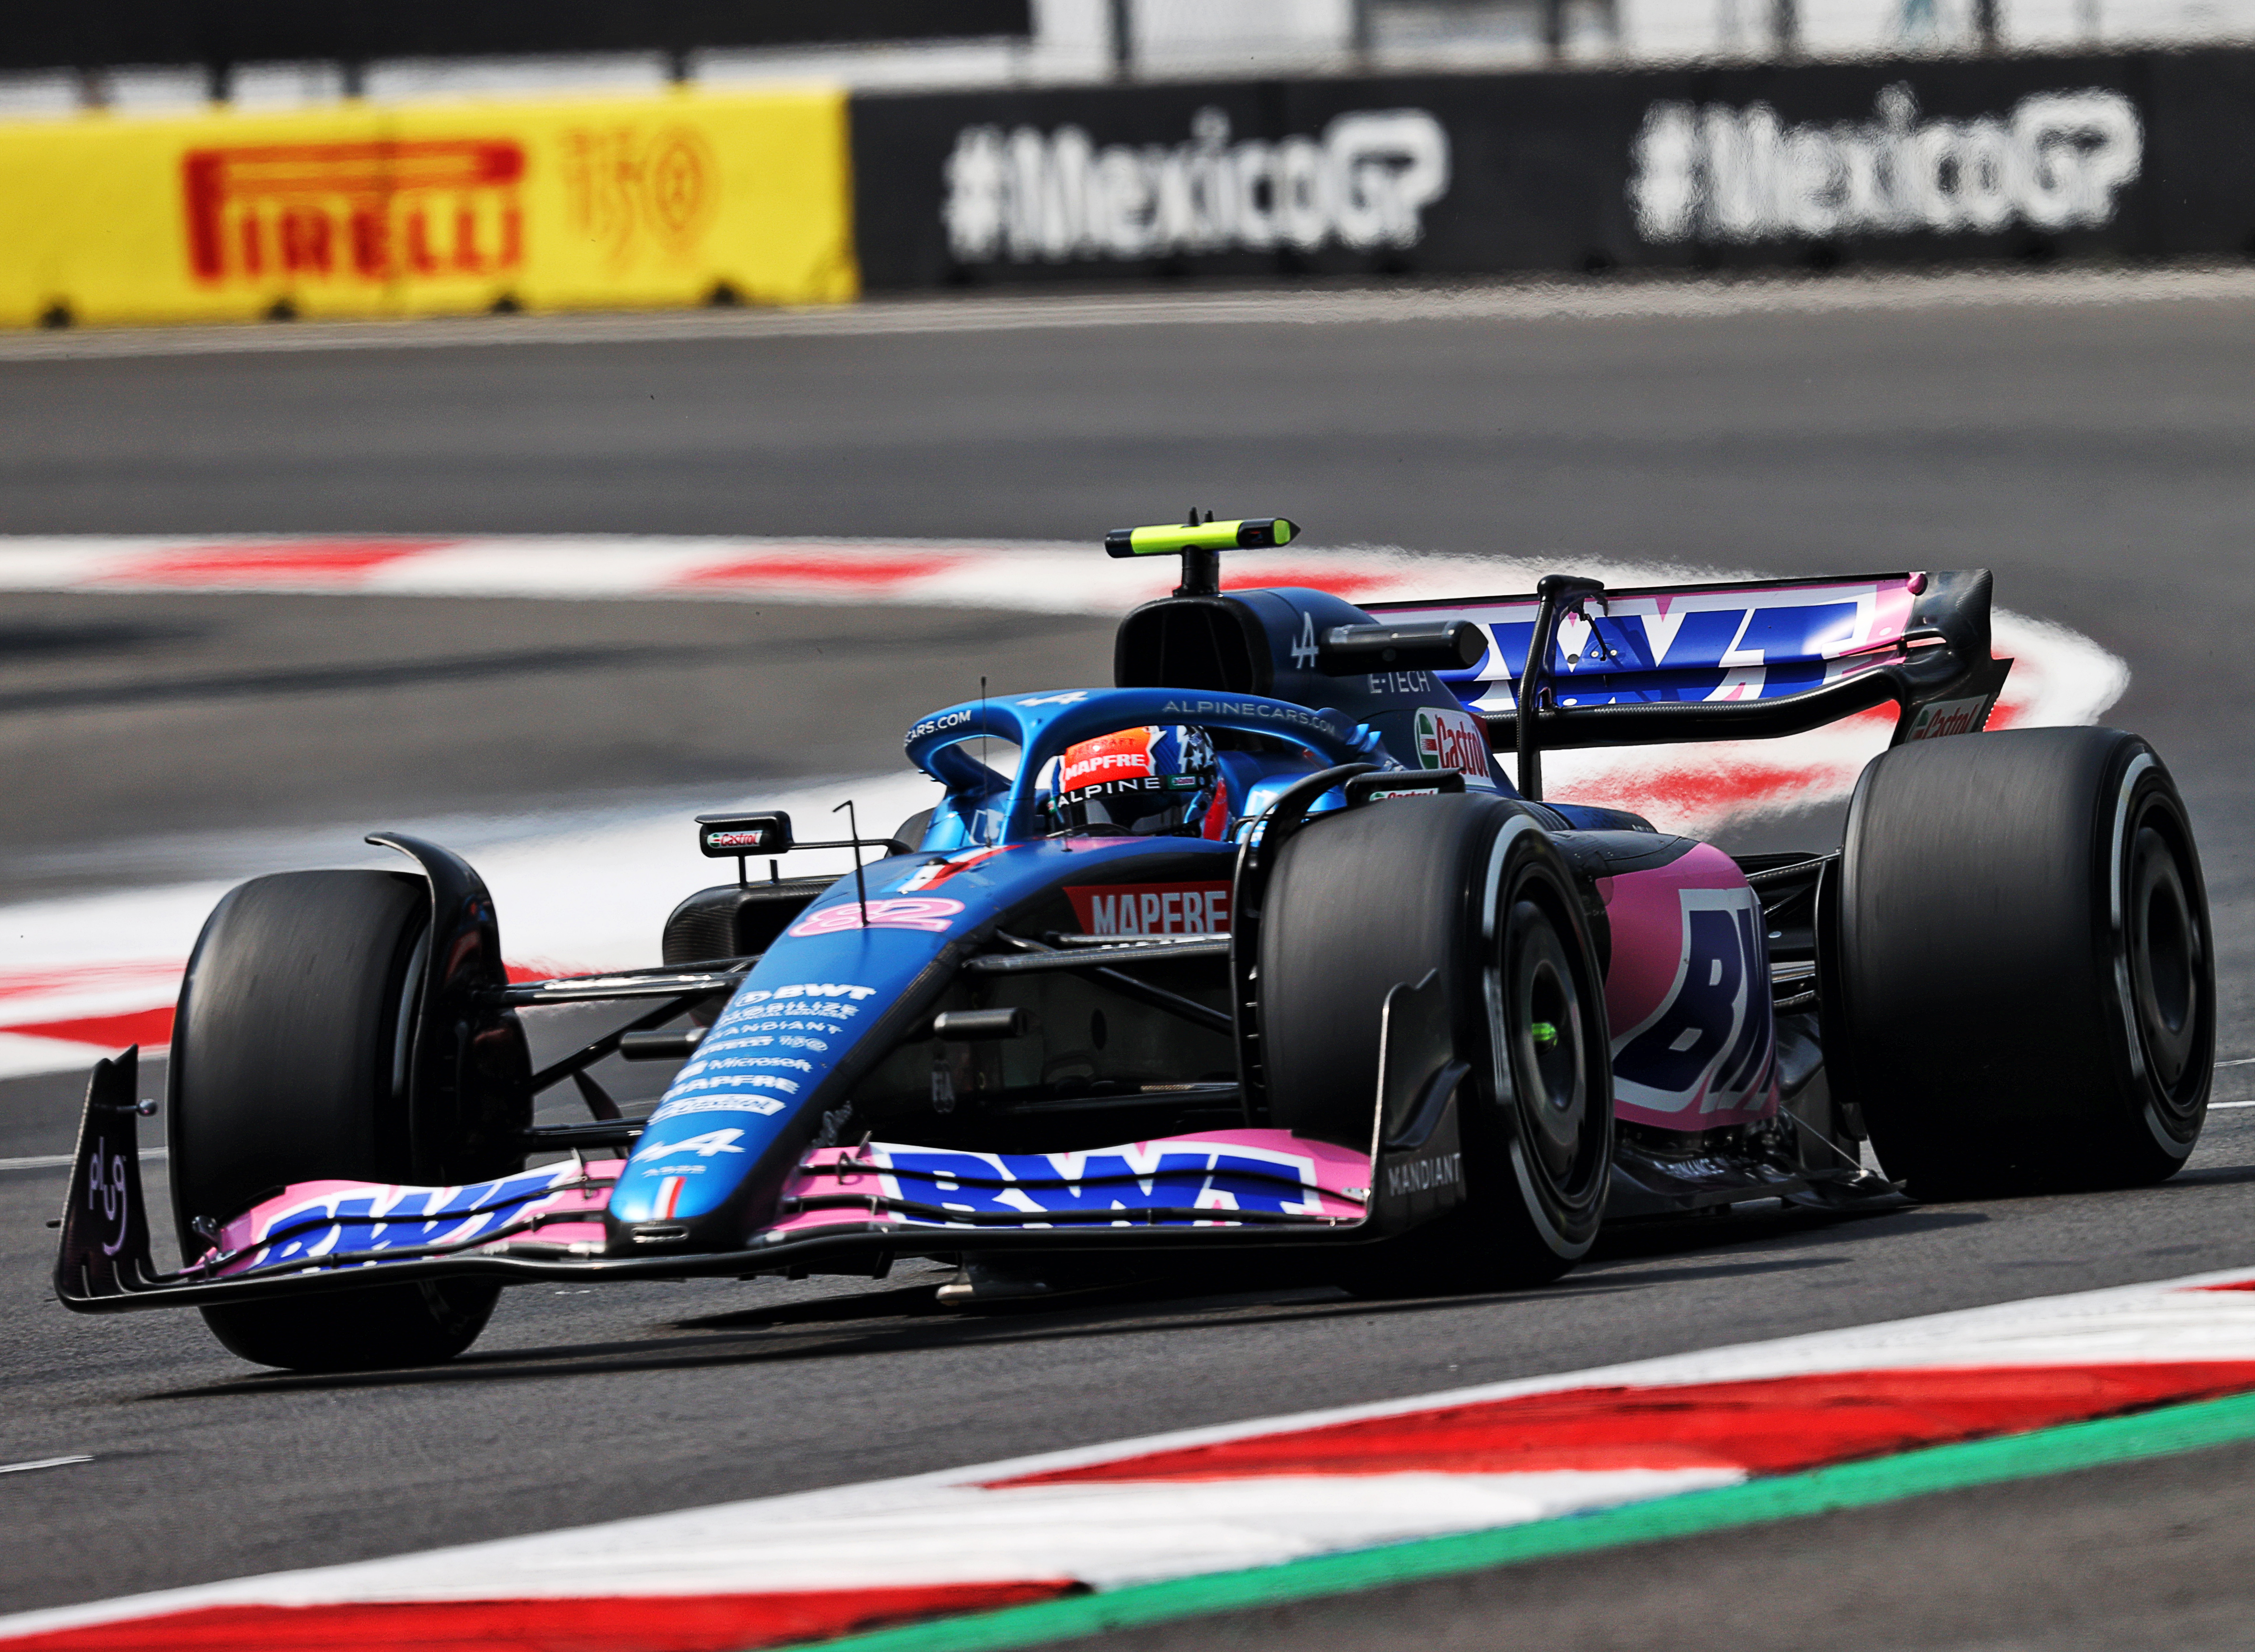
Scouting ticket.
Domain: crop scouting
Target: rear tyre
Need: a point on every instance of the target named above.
(1471, 886)
(290, 1064)
(2025, 993)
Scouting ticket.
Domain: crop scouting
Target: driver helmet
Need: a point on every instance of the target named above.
(1144, 781)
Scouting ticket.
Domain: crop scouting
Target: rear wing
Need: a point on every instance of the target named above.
(1744, 659)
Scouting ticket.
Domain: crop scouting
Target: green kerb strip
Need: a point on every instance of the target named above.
(2052, 1451)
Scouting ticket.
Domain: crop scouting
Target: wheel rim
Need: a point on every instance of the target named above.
(2167, 954)
(1544, 1037)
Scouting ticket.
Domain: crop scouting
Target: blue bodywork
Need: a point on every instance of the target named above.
(747, 1148)
(830, 996)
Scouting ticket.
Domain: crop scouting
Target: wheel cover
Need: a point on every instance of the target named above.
(1542, 1037)
(2166, 954)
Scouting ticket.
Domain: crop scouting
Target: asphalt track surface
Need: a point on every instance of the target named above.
(2102, 459)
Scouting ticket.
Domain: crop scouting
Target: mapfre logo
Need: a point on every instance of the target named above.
(376, 211)
(1453, 740)
(1151, 909)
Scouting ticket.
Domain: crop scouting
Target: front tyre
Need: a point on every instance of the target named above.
(1469, 886)
(290, 1064)
(2025, 992)
(1549, 1098)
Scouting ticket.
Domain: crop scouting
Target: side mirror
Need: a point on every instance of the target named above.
(724, 836)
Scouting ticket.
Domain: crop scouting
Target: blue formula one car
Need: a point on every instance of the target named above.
(1261, 949)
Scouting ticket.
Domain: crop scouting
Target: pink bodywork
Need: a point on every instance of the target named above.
(1658, 960)
(557, 1210)
(565, 1217)
(1335, 1180)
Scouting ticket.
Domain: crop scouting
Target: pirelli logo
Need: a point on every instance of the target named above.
(378, 211)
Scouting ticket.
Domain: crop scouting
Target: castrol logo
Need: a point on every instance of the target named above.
(1453, 740)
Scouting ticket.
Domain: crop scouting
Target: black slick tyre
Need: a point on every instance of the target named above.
(1468, 885)
(2023, 993)
(289, 1064)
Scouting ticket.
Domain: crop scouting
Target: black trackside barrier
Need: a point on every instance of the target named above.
(45, 34)
(1903, 161)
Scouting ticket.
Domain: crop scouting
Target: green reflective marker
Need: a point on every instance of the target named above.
(1248, 533)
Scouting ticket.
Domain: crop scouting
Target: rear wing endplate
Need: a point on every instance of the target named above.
(1745, 660)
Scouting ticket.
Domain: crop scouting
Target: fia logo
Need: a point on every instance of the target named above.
(1303, 651)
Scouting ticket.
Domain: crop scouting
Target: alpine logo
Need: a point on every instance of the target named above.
(1453, 740)
(705, 1147)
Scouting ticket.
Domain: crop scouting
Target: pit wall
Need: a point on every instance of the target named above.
(355, 211)
(809, 197)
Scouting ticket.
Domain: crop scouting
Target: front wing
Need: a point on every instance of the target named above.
(845, 1208)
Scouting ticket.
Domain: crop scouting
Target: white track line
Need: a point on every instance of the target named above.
(58, 1161)
(1674, 298)
(593, 898)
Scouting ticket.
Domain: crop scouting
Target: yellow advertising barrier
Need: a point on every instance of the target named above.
(678, 199)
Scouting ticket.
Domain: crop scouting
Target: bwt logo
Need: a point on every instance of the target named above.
(2059, 160)
(1708, 1047)
(1026, 195)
